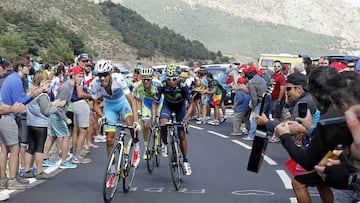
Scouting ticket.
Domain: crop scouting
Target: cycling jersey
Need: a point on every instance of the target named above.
(147, 97)
(118, 88)
(174, 95)
(115, 102)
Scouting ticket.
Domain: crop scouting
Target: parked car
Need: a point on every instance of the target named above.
(220, 74)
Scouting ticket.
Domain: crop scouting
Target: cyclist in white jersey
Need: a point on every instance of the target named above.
(117, 99)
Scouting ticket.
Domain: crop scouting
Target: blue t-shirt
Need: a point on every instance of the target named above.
(241, 101)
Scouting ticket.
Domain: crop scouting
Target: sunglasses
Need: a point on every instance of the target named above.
(146, 80)
(288, 88)
(100, 75)
(277, 66)
(171, 78)
(351, 66)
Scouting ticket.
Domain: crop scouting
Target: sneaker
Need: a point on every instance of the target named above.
(81, 160)
(4, 196)
(248, 138)
(67, 164)
(3, 183)
(13, 184)
(48, 163)
(244, 131)
(42, 176)
(164, 151)
(136, 158)
(28, 174)
(214, 122)
(22, 180)
(110, 182)
(187, 168)
(235, 133)
(21, 171)
(200, 122)
(33, 170)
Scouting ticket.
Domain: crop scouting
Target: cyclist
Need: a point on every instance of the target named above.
(117, 99)
(176, 93)
(144, 94)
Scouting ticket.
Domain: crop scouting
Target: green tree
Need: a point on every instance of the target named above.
(58, 50)
(12, 44)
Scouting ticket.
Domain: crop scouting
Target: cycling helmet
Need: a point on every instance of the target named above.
(103, 66)
(146, 72)
(172, 70)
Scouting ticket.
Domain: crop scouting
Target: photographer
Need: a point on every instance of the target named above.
(343, 173)
(323, 138)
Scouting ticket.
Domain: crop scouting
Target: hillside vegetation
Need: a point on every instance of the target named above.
(150, 38)
(235, 35)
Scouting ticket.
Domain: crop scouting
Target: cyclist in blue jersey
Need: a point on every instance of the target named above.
(176, 93)
(117, 99)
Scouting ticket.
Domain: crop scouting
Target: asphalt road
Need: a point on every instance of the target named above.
(218, 162)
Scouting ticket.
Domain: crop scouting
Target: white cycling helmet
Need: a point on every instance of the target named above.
(103, 66)
(146, 72)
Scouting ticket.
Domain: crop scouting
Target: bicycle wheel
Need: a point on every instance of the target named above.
(150, 152)
(157, 147)
(174, 163)
(129, 171)
(111, 177)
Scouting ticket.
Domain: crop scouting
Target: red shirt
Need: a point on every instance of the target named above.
(279, 80)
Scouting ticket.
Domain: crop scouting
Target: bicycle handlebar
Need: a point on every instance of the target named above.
(173, 124)
(120, 125)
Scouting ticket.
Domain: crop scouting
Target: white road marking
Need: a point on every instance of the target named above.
(285, 179)
(241, 144)
(218, 134)
(198, 128)
(270, 161)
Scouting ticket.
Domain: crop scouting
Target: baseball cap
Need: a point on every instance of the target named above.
(241, 80)
(298, 79)
(83, 57)
(3, 62)
(77, 71)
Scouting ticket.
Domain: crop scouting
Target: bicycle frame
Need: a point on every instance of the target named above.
(118, 158)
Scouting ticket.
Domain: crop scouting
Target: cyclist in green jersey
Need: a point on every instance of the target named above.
(144, 94)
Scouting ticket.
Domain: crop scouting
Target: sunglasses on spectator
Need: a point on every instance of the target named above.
(351, 66)
(277, 66)
(100, 75)
(288, 88)
(171, 78)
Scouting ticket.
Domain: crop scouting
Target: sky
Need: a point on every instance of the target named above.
(354, 2)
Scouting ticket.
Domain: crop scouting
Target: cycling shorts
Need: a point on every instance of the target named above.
(179, 110)
(112, 110)
(147, 106)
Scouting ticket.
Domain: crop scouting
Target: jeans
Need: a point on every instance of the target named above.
(253, 124)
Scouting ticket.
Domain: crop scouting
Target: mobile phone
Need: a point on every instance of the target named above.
(332, 121)
(325, 159)
(302, 110)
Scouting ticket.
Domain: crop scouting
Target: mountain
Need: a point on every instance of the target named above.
(245, 28)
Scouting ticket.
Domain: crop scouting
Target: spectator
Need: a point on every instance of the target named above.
(257, 87)
(12, 91)
(81, 112)
(37, 120)
(241, 110)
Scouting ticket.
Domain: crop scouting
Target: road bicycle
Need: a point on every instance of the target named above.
(153, 149)
(118, 164)
(175, 154)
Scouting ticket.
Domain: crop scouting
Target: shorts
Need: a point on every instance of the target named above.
(179, 110)
(205, 99)
(81, 112)
(58, 126)
(23, 130)
(216, 100)
(310, 179)
(112, 109)
(147, 106)
(8, 131)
